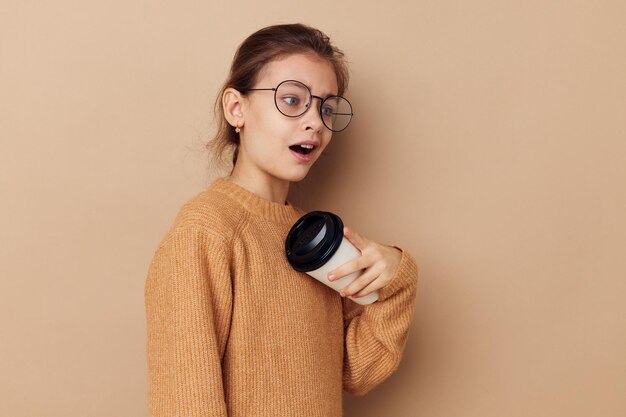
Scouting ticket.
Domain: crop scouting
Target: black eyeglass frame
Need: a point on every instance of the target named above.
(311, 97)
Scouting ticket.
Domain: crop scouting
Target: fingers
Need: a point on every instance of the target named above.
(357, 264)
(367, 258)
(356, 239)
(364, 284)
(349, 267)
(373, 286)
(373, 263)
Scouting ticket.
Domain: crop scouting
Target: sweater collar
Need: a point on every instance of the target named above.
(269, 210)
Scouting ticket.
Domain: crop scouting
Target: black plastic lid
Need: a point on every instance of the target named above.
(313, 240)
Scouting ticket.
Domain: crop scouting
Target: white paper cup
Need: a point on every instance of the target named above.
(316, 245)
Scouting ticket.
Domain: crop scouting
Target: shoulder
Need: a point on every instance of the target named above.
(210, 213)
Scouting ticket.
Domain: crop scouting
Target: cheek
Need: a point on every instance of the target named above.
(270, 139)
(270, 123)
(260, 132)
(326, 139)
(262, 113)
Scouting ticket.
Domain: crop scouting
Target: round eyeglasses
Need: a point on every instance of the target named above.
(293, 98)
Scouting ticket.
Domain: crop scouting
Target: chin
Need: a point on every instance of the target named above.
(295, 176)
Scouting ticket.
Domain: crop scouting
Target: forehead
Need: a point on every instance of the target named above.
(316, 72)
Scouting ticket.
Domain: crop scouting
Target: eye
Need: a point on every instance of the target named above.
(291, 100)
(327, 111)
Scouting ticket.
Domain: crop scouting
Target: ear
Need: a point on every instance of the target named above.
(232, 103)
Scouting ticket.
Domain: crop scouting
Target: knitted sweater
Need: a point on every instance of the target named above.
(234, 331)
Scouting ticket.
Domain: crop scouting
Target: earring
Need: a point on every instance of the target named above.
(237, 130)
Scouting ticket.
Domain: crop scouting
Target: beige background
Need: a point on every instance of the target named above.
(490, 141)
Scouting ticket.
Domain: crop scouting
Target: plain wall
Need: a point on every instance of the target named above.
(489, 141)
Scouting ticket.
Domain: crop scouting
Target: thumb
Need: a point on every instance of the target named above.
(355, 238)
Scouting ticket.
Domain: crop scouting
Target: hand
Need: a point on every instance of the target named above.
(378, 262)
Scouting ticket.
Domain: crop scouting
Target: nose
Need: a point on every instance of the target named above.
(312, 116)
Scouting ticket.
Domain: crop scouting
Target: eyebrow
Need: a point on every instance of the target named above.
(308, 85)
(325, 95)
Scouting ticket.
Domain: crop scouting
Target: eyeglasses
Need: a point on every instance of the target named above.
(293, 98)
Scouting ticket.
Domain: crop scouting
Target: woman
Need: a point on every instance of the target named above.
(233, 330)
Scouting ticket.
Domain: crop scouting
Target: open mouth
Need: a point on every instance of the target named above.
(302, 149)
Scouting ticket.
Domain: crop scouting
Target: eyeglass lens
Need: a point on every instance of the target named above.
(294, 98)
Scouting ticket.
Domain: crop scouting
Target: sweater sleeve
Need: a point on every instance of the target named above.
(188, 298)
(376, 334)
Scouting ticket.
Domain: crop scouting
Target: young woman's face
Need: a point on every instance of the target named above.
(269, 140)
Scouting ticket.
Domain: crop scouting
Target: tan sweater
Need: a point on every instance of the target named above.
(234, 331)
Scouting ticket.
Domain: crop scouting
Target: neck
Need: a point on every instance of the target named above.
(269, 188)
